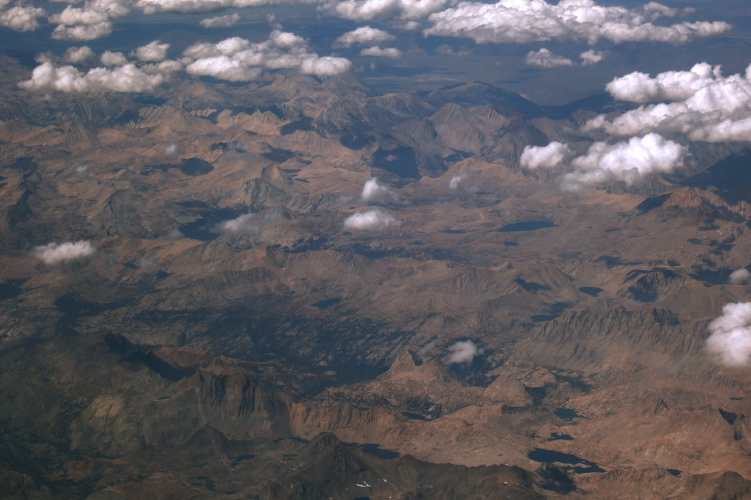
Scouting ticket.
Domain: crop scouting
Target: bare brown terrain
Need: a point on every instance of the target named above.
(229, 335)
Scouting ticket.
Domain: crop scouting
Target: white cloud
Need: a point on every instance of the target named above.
(379, 52)
(171, 150)
(175, 234)
(246, 224)
(625, 161)
(54, 253)
(221, 21)
(526, 21)
(739, 276)
(462, 352)
(82, 32)
(82, 171)
(377, 193)
(730, 341)
(629, 161)
(113, 58)
(126, 78)
(92, 21)
(708, 107)
(369, 10)
(456, 180)
(371, 220)
(590, 57)
(237, 59)
(155, 51)
(547, 59)
(553, 155)
(77, 55)
(364, 35)
(22, 18)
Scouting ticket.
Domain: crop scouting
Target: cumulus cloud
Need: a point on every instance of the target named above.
(462, 352)
(110, 58)
(92, 21)
(365, 35)
(77, 55)
(82, 171)
(82, 32)
(739, 276)
(373, 192)
(730, 341)
(54, 253)
(175, 234)
(526, 21)
(590, 57)
(371, 220)
(171, 150)
(221, 21)
(546, 59)
(706, 106)
(628, 161)
(379, 52)
(553, 155)
(127, 78)
(246, 224)
(237, 59)
(22, 18)
(456, 180)
(370, 10)
(155, 51)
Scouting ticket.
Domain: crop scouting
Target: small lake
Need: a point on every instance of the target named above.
(527, 226)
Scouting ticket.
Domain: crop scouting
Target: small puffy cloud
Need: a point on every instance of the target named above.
(552, 155)
(82, 171)
(374, 192)
(371, 220)
(175, 234)
(126, 78)
(707, 106)
(730, 341)
(221, 21)
(246, 224)
(237, 59)
(22, 18)
(590, 57)
(365, 35)
(526, 21)
(325, 66)
(77, 55)
(144, 263)
(54, 253)
(92, 21)
(379, 52)
(82, 32)
(171, 150)
(110, 58)
(155, 51)
(462, 352)
(546, 59)
(739, 276)
(370, 10)
(456, 180)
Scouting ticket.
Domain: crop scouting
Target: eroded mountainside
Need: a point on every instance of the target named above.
(249, 314)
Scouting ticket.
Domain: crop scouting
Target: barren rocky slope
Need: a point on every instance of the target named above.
(228, 333)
